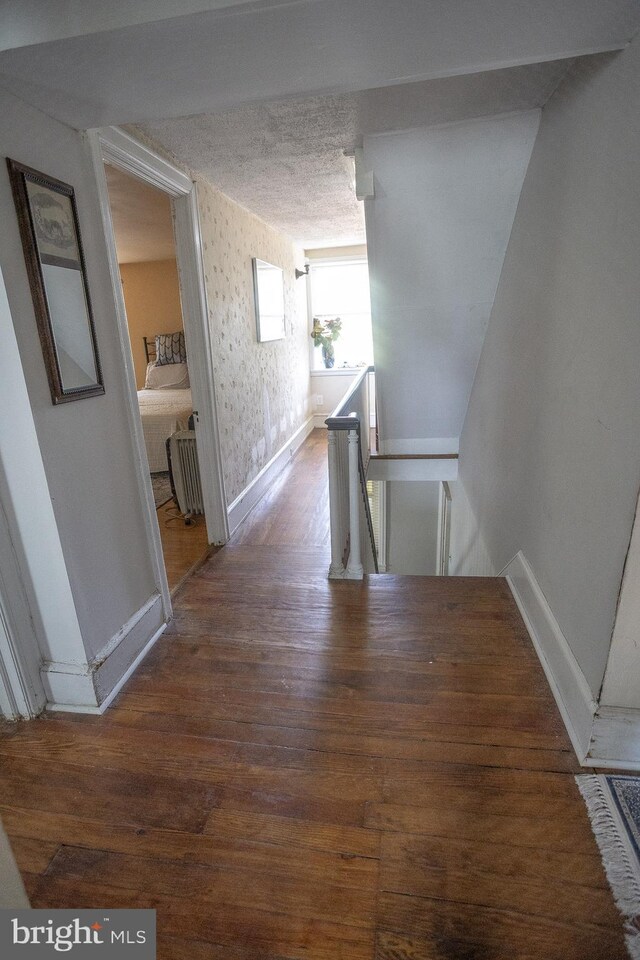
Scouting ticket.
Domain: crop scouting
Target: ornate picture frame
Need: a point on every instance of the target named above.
(48, 222)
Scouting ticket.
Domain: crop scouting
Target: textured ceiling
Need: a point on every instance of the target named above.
(89, 63)
(142, 221)
(285, 160)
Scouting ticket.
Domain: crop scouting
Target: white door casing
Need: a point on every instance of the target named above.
(114, 146)
(38, 618)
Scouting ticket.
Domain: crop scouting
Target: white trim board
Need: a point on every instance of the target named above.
(114, 146)
(10, 678)
(21, 690)
(36, 601)
(601, 736)
(412, 469)
(133, 157)
(352, 372)
(254, 491)
(568, 684)
(420, 445)
(200, 348)
(102, 150)
(615, 739)
(90, 688)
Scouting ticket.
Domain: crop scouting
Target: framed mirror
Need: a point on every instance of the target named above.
(268, 289)
(48, 221)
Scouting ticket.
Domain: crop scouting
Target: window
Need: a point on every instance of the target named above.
(340, 288)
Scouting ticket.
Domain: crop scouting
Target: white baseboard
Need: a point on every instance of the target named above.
(319, 420)
(253, 492)
(90, 688)
(116, 661)
(568, 684)
(615, 739)
(69, 686)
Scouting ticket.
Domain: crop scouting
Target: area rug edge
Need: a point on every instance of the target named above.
(623, 873)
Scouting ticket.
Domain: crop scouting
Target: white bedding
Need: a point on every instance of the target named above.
(162, 412)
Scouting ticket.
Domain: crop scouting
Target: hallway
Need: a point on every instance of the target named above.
(320, 770)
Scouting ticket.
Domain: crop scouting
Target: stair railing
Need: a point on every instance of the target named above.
(353, 550)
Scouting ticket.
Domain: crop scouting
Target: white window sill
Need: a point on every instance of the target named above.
(338, 372)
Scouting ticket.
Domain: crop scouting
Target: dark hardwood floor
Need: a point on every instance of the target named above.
(314, 770)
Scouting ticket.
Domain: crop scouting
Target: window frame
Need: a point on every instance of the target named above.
(338, 260)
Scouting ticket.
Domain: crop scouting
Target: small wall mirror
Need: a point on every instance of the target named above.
(48, 222)
(268, 288)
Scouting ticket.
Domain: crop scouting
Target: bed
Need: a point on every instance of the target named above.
(165, 406)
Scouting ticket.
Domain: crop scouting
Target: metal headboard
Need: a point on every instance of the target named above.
(150, 349)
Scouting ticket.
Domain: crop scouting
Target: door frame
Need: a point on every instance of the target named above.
(444, 529)
(119, 149)
(21, 692)
(36, 603)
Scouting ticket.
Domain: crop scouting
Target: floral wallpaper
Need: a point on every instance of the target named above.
(262, 389)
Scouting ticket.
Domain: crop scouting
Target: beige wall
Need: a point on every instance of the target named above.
(262, 389)
(152, 298)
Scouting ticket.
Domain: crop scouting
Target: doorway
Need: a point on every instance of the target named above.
(143, 231)
(126, 156)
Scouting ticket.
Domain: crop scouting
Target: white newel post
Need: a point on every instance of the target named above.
(348, 447)
(336, 570)
(354, 565)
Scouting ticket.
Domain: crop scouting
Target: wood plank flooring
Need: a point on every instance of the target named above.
(183, 547)
(314, 770)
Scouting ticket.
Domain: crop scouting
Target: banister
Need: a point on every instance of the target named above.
(367, 509)
(352, 538)
(349, 422)
(344, 403)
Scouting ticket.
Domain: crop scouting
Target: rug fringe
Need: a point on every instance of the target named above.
(623, 878)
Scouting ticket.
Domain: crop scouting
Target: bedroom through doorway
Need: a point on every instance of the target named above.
(144, 239)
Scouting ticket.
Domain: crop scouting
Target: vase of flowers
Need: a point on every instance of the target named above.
(323, 335)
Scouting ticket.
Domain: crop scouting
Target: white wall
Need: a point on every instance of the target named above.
(437, 230)
(86, 447)
(550, 452)
(207, 62)
(412, 527)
